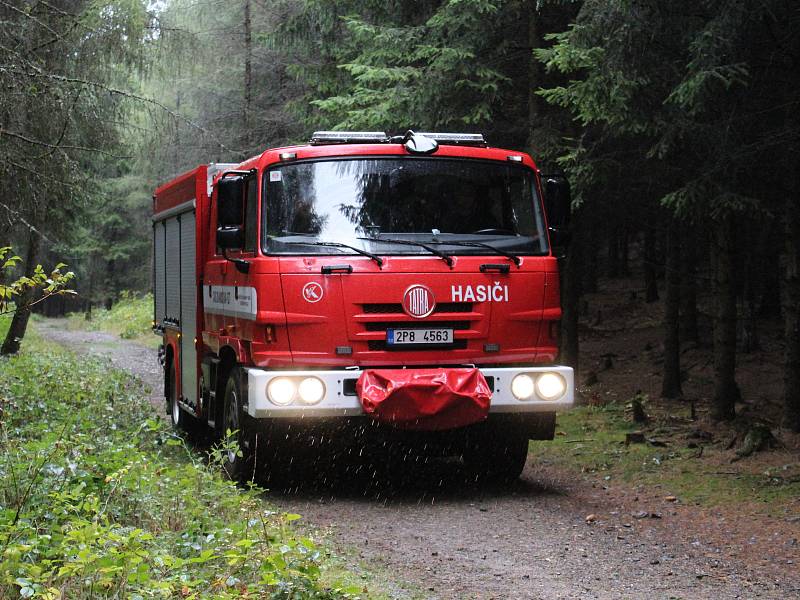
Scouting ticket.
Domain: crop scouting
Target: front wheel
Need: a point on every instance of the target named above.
(238, 455)
(497, 458)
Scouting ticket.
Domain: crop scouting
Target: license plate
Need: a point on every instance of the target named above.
(401, 337)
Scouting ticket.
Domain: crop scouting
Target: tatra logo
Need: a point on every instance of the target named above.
(418, 301)
(312, 292)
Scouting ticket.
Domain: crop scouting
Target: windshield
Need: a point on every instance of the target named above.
(380, 204)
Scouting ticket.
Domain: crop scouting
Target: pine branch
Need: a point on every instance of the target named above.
(118, 92)
(58, 146)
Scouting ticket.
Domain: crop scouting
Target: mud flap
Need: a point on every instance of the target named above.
(425, 399)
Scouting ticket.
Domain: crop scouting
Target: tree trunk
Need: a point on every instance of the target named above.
(589, 251)
(726, 392)
(689, 285)
(791, 312)
(671, 383)
(752, 283)
(772, 274)
(19, 322)
(624, 268)
(248, 75)
(613, 254)
(571, 294)
(650, 272)
(534, 73)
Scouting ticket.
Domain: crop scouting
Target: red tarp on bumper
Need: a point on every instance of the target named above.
(425, 399)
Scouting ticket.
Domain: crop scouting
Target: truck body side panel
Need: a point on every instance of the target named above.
(188, 306)
(178, 247)
(159, 272)
(172, 262)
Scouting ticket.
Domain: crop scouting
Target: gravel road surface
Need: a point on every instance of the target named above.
(435, 536)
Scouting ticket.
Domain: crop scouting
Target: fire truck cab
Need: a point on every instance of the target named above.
(407, 282)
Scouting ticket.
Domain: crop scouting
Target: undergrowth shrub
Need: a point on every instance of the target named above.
(130, 317)
(98, 499)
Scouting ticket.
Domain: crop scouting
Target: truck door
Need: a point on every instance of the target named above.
(230, 297)
(244, 288)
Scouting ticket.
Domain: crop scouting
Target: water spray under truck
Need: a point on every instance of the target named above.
(407, 283)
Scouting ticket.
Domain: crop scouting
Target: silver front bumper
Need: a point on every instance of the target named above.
(337, 403)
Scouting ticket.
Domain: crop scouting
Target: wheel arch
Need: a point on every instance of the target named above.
(228, 359)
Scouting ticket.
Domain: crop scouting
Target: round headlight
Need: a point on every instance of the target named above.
(550, 386)
(281, 391)
(311, 390)
(522, 386)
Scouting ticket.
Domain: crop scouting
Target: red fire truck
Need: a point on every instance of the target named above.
(404, 282)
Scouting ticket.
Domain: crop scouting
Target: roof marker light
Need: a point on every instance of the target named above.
(348, 137)
(456, 139)
(514, 158)
(288, 155)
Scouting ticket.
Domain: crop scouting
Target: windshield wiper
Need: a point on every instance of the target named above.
(443, 255)
(509, 255)
(374, 257)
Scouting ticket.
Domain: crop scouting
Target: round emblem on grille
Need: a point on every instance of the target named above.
(418, 301)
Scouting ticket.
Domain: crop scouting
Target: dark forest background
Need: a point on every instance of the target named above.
(676, 124)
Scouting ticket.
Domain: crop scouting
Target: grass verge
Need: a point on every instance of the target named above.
(98, 499)
(591, 440)
(131, 318)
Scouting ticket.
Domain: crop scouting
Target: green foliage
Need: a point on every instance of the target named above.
(673, 98)
(53, 284)
(100, 500)
(392, 66)
(590, 440)
(131, 318)
(109, 245)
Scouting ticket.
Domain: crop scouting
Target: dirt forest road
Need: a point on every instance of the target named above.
(433, 536)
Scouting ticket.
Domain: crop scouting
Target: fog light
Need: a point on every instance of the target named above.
(550, 386)
(281, 391)
(311, 390)
(522, 386)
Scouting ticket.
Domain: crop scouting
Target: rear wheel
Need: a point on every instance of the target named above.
(496, 457)
(180, 419)
(177, 415)
(238, 456)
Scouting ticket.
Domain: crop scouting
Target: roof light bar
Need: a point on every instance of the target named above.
(348, 137)
(457, 139)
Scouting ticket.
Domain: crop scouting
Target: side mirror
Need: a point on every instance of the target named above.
(230, 201)
(558, 204)
(230, 236)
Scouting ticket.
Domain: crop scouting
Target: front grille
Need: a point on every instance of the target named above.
(381, 345)
(384, 325)
(397, 309)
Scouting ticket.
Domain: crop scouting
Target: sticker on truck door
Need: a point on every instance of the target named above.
(312, 292)
(230, 300)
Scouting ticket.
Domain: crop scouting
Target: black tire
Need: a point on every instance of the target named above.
(237, 462)
(496, 457)
(177, 416)
(180, 419)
